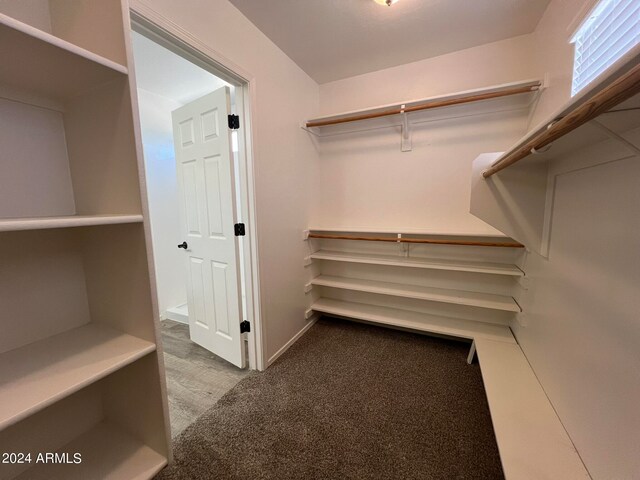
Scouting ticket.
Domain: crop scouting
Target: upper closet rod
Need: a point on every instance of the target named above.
(416, 240)
(426, 105)
(617, 92)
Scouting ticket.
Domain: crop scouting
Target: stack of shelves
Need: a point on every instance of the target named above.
(455, 290)
(79, 364)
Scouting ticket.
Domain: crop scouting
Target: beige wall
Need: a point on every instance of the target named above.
(485, 65)
(285, 158)
(580, 330)
(553, 54)
(367, 182)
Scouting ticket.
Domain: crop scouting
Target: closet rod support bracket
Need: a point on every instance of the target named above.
(472, 353)
(405, 140)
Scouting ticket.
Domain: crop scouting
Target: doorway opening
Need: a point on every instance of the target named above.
(193, 117)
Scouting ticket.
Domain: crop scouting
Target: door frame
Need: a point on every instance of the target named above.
(163, 31)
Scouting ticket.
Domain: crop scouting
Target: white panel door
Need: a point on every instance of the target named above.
(208, 212)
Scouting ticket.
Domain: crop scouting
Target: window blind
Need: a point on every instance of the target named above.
(611, 30)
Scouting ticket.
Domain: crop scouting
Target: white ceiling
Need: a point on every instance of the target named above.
(167, 74)
(334, 39)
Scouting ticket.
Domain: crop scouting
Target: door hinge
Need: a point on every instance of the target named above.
(245, 326)
(234, 122)
(238, 228)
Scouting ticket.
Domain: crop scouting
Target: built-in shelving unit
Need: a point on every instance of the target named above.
(36, 375)
(79, 364)
(394, 317)
(458, 297)
(448, 285)
(417, 262)
(107, 452)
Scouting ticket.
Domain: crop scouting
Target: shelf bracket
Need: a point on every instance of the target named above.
(405, 141)
(472, 353)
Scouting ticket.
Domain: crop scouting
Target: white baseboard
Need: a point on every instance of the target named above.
(174, 318)
(293, 340)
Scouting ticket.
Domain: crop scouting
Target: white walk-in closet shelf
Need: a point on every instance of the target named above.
(79, 366)
(397, 317)
(443, 284)
(417, 262)
(511, 97)
(600, 124)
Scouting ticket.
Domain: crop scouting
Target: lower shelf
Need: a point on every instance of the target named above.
(453, 327)
(512, 388)
(419, 262)
(458, 297)
(107, 453)
(37, 375)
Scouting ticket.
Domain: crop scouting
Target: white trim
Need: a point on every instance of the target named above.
(312, 320)
(167, 316)
(580, 18)
(183, 42)
(606, 152)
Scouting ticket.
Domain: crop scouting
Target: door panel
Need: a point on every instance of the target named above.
(207, 191)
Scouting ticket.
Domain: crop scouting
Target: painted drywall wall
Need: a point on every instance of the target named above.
(553, 53)
(485, 65)
(23, 194)
(284, 156)
(366, 181)
(162, 191)
(33, 12)
(580, 331)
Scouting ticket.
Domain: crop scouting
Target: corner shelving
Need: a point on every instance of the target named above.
(40, 373)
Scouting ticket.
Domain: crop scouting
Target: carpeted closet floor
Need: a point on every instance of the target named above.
(348, 401)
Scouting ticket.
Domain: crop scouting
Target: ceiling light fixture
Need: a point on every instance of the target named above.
(388, 3)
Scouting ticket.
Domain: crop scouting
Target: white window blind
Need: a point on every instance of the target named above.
(610, 31)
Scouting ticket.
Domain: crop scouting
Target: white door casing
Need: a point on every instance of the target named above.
(207, 197)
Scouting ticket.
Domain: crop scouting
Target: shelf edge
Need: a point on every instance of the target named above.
(62, 44)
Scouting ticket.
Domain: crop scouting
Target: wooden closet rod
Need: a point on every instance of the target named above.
(617, 92)
(417, 240)
(426, 106)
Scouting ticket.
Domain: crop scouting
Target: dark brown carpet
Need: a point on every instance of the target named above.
(348, 401)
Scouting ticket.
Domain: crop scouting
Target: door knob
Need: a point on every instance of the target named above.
(183, 245)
